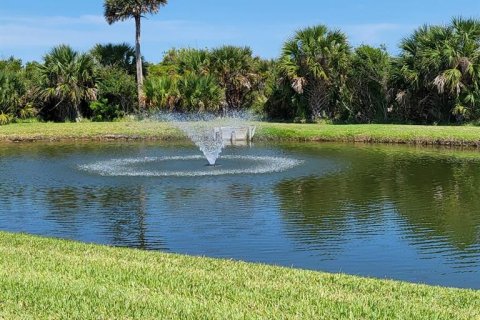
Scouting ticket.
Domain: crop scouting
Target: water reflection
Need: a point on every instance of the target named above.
(117, 216)
(433, 199)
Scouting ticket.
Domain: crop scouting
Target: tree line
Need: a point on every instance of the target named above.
(435, 78)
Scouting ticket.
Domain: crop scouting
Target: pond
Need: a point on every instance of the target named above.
(391, 212)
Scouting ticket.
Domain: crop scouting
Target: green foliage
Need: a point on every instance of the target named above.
(315, 62)
(12, 89)
(185, 61)
(11, 65)
(117, 87)
(120, 56)
(67, 81)
(102, 110)
(199, 93)
(437, 75)
(234, 67)
(240, 76)
(435, 78)
(368, 82)
(161, 92)
(121, 10)
(283, 103)
(27, 112)
(5, 118)
(189, 93)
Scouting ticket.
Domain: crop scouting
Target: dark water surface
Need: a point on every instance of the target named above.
(384, 211)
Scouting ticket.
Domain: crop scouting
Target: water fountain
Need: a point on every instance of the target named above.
(211, 134)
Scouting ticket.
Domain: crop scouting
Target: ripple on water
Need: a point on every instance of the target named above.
(134, 167)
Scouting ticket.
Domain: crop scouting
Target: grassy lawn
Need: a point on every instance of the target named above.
(56, 279)
(88, 131)
(446, 135)
(382, 133)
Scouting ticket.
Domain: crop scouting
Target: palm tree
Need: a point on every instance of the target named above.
(121, 10)
(66, 80)
(315, 62)
(438, 72)
(199, 93)
(115, 55)
(234, 68)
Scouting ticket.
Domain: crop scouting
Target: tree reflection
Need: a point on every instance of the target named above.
(436, 194)
(118, 213)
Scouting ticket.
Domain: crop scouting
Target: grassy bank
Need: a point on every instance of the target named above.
(374, 133)
(431, 135)
(46, 278)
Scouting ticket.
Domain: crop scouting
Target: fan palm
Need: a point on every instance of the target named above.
(199, 93)
(162, 92)
(315, 62)
(115, 55)
(234, 67)
(66, 80)
(121, 10)
(438, 71)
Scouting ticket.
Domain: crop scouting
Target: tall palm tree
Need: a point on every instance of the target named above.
(121, 10)
(315, 61)
(66, 80)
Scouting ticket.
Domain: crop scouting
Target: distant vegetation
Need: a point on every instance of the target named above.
(318, 77)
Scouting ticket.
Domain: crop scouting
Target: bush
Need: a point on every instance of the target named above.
(118, 88)
(161, 92)
(12, 90)
(102, 110)
(368, 82)
(5, 118)
(199, 93)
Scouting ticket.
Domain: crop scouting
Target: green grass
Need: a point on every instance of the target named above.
(56, 279)
(379, 133)
(444, 135)
(88, 131)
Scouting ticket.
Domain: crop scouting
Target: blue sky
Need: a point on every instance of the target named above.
(29, 28)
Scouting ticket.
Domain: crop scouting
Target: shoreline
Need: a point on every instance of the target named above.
(466, 136)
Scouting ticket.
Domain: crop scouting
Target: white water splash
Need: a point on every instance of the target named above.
(126, 167)
(202, 129)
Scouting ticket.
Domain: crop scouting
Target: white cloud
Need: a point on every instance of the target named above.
(19, 33)
(29, 37)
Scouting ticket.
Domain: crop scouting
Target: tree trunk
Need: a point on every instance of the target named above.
(317, 97)
(138, 57)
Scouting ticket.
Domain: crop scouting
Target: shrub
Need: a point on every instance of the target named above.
(102, 110)
(161, 92)
(199, 93)
(117, 87)
(5, 118)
